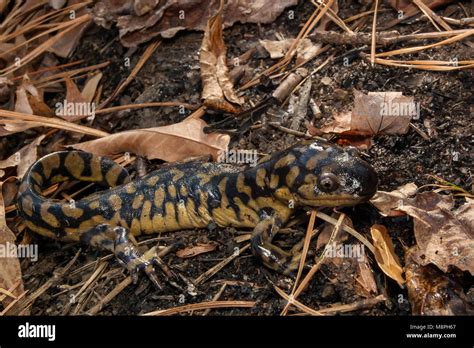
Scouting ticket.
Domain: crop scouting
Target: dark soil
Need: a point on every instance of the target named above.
(172, 73)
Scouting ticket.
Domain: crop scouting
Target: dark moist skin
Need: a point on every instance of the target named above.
(313, 173)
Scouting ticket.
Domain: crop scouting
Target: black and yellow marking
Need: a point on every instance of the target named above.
(192, 195)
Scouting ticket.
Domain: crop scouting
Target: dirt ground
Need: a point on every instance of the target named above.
(172, 73)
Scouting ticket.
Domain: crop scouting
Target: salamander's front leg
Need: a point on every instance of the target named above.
(117, 240)
(270, 255)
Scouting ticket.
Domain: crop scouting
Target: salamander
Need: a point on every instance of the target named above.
(313, 173)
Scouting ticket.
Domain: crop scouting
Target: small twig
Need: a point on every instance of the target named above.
(374, 25)
(147, 54)
(420, 132)
(345, 308)
(210, 272)
(145, 105)
(288, 130)
(202, 305)
(348, 229)
(51, 282)
(110, 296)
(118, 289)
(87, 286)
(304, 253)
(433, 17)
(40, 121)
(291, 300)
(458, 37)
(318, 264)
(215, 298)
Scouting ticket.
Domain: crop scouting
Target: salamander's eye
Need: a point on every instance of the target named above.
(328, 182)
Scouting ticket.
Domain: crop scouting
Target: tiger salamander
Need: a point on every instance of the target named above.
(313, 173)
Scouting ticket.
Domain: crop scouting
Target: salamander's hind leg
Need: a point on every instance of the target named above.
(117, 240)
(270, 255)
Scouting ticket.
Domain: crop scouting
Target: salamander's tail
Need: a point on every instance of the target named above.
(43, 215)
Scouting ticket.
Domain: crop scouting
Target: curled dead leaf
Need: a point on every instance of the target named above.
(171, 143)
(74, 107)
(218, 91)
(90, 87)
(373, 114)
(445, 237)
(385, 255)
(388, 202)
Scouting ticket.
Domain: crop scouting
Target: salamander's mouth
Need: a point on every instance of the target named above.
(334, 201)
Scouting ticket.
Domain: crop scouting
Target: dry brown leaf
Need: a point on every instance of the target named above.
(217, 90)
(388, 202)
(66, 45)
(385, 255)
(430, 292)
(445, 238)
(171, 143)
(74, 107)
(10, 272)
(90, 87)
(195, 250)
(142, 20)
(366, 276)
(375, 113)
(23, 105)
(23, 158)
(29, 100)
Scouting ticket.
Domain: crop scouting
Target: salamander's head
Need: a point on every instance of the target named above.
(318, 173)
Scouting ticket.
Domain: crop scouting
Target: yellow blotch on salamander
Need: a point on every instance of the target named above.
(178, 174)
(170, 217)
(112, 175)
(137, 202)
(183, 191)
(115, 201)
(131, 188)
(94, 204)
(241, 187)
(152, 181)
(74, 164)
(96, 171)
(260, 177)
(72, 211)
(51, 163)
(37, 177)
(291, 176)
(135, 227)
(172, 191)
(285, 161)
(224, 213)
(274, 181)
(159, 197)
(47, 217)
(145, 220)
